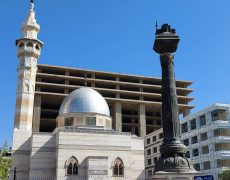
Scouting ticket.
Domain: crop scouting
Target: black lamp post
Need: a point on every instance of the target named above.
(15, 172)
(172, 150)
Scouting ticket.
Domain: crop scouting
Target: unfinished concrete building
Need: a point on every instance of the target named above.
(134, 101)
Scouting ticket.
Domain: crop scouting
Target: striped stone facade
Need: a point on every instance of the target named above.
(29, 48)
(28, 52)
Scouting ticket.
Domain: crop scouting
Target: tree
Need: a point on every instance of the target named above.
(5, 162)
(226, 175)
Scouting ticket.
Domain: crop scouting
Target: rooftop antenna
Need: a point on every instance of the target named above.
(156, 25)
(32, 1)
(85, 83)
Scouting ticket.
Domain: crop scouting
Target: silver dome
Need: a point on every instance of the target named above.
(84, 100)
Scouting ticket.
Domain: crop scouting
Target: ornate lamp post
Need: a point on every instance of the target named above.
(173, 152)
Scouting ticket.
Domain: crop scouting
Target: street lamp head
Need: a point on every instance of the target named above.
(166, 40)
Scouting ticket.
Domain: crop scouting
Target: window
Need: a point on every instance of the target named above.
(154, 138)
(90, 121)
(195, 152)
(194, 140)
(216, 133)
(155, 150)
(197, 166)
(223, 163)
(149, 173)
(193, 124)
(205, 150)
(221, 132)
(72, 166)
(21, 45)
(148, 151)
(222, 146)
(186, 142)
(215, 115)
(22, 62)
(118, 167)
(204, 136)
(149, 161)
(69, 121)
(148, 141)
(202, 120)
(185, 127)
(219, 114)
(155, 159)
(30, 45)
(161, 136)
(37, 47)
(206, 165)
(187, 155)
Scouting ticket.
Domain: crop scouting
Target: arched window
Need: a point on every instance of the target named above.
(37, 47)
(21, 45)
(72, 166)
(118, 167)
(70, 169)
(30, 45)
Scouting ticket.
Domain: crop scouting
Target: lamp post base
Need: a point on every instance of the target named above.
(175, 176)
(174, 164)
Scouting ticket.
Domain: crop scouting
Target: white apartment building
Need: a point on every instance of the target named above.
(152, 151)
(207, 136)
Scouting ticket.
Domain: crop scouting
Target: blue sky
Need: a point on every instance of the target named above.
(117, 36)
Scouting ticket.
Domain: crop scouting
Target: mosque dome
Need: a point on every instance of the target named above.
(84, 100)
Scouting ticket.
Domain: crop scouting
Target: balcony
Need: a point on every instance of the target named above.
(222, 154)
(220, 124)
(222, 146)
(219, 114)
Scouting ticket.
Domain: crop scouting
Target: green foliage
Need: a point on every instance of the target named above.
(226, 175)
(5, 162)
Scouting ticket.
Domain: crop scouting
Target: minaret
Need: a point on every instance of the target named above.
(29, 49)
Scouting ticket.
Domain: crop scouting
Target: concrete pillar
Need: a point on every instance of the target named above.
(38, 88)
(93, 82)
(141, 90)
(117, 87)
(142, 120)
(67, 82)
(133, 130)
(117, 125)
(36, 113)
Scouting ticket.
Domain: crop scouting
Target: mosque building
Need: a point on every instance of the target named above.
(83, 145)
(65, 128)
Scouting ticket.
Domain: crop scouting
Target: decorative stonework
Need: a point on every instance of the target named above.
(29, 49)
(174, 164)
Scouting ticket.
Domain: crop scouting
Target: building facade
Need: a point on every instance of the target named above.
(152, 144)
(83, 146)
(207, 137)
